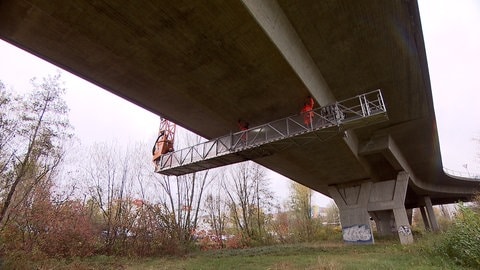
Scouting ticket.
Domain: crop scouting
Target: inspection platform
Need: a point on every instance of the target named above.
(320, 124)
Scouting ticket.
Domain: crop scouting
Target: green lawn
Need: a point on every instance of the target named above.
(327, 255)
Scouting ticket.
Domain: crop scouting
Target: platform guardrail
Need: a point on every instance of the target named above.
(357, 111)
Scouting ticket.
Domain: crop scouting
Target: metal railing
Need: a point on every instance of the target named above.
(342, 114)
(467, 174)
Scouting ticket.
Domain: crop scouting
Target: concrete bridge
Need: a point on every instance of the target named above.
(205, 64)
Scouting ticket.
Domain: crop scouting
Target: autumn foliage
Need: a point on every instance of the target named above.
(50, 228)
(108, 201)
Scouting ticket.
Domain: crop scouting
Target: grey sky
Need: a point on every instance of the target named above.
(452, 40)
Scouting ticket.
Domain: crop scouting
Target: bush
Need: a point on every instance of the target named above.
(48, 229)
(325, 233)
(461, 242)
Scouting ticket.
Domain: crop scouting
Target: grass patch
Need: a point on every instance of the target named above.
(385, 254)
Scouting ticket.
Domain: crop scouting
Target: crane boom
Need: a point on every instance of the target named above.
(165, 139)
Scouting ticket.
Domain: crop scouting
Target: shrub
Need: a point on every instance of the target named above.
(236, 242)
(461, 242)
(52, 230)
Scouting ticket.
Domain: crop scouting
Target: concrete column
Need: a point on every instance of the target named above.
(387, 224)
(403, 227)
(426, 222)
(431, 214)
(352, 203)
(384, 201)
(390, 196)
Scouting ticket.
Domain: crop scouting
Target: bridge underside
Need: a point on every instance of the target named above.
(205, 64)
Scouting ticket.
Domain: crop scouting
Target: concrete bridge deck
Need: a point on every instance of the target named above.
(205, 64)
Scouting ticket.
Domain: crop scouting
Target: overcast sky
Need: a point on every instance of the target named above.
(452, 39)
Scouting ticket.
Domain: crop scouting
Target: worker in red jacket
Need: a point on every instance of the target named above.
(243, 125)
(307, 111)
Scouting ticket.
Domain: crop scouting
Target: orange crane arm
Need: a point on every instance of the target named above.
(165, 139)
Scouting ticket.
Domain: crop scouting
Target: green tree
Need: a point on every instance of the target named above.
(301, 206)
(33, 131)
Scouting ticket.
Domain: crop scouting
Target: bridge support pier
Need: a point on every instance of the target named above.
(426, 222)
(384, 201)
(428, 215)
(352, 202)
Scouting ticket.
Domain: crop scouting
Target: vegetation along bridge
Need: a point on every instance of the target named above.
(205, 64)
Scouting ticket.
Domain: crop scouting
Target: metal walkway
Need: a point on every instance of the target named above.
(276, 136)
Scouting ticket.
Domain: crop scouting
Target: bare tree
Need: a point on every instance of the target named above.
(217, 211)
(333, 214)
(477, 156)
(111, 175)
(249, 199)
(8, 127)
(182, 198)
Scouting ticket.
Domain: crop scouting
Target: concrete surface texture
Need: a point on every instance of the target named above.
(205, 64)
